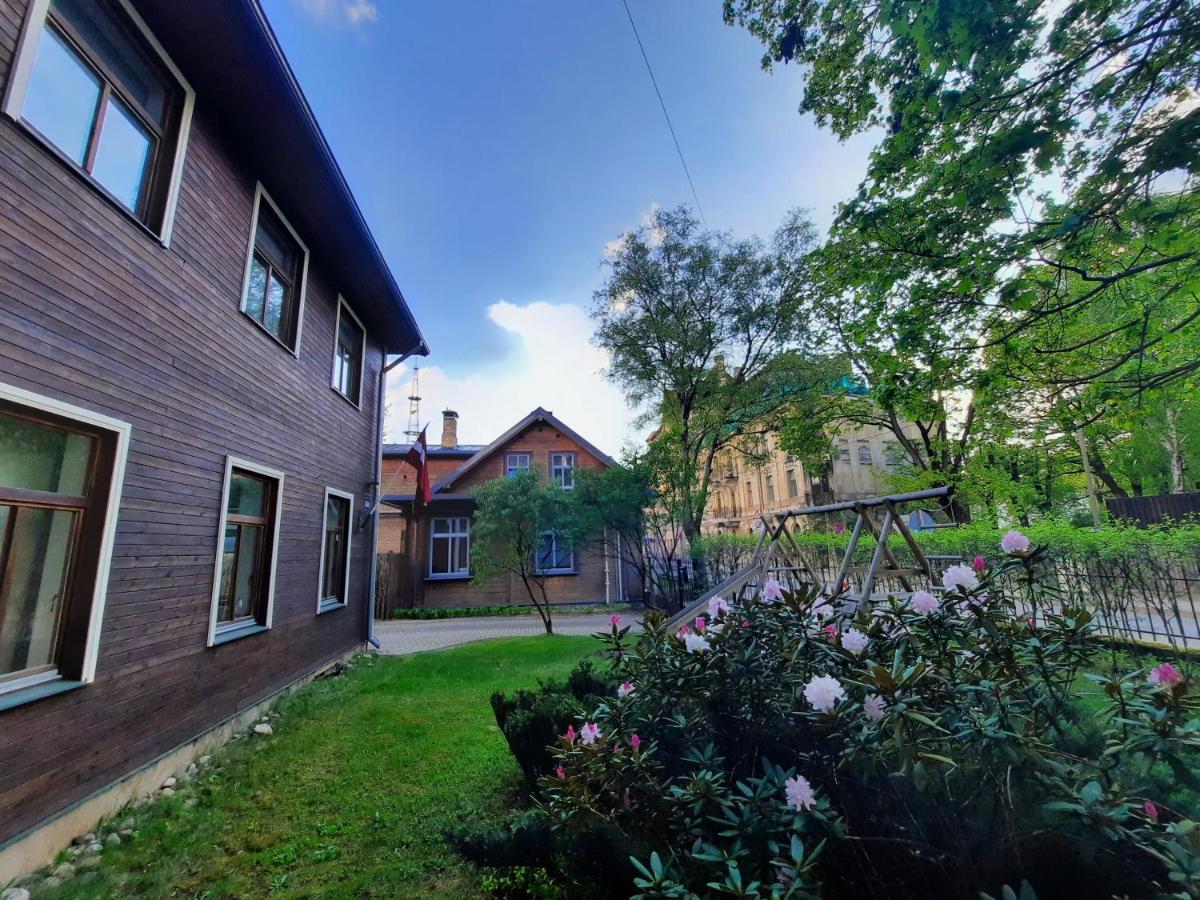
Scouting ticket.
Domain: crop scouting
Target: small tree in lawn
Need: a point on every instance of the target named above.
(512, 518)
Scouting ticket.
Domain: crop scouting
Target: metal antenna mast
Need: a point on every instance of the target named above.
(414, 406)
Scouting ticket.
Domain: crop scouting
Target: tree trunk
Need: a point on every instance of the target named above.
(1174, 447)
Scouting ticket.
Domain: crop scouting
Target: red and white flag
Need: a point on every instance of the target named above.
(417, 457)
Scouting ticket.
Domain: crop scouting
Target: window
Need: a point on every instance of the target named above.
(893, 455)
(793, 488)
(562, 470)
(94, 85)
(276, 269)
(554, 556)
(843, 450)
(335, 551)
(770, 480)
(450, 548)
(244, 584)
(349, 349)
(61, 470)
(864, 454)
(514, 463)
(749, 495)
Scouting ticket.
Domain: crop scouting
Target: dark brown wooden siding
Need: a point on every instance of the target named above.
(96, 312)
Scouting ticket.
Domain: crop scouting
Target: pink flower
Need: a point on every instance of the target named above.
(700, 623)
(635, 742)
(855, 641)
(831, 632)
(839, 527)
(1150, 810)
(683, 632)
(772, 591)
(979, 565)
(560, 772)
(1165, 675)
(923, 602)
(874, 706)
(616, 748)
(615, 621)
(960, 577)
(824, 692)
(1014, 542)
(625, 690)
(589, 734)
(799, 793)
(571, 735)
(745, 623)
(716, 607)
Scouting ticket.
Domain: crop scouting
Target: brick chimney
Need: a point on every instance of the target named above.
(449, 428)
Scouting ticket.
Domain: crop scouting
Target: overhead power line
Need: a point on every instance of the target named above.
(666, 115)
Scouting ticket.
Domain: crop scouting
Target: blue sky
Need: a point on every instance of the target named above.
(496, 147)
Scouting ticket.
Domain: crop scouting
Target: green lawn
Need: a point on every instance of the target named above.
(350, 795)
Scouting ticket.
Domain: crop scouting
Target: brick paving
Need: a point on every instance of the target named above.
(400, 637)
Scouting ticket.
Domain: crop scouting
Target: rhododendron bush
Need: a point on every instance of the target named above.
(940, 745)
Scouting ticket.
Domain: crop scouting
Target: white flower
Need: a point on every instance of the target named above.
(717, 606)
(874, 706)
(799, 793)
(624, 690)
(772, 591)
(589, 734)
(923, 602)
(821, 611)
(1014, 542)
(855, 641)
(824, 692)
(961, 577)
(695, 643)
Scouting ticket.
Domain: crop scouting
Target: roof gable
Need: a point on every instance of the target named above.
(538, 415)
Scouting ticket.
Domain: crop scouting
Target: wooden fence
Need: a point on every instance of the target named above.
(1156, 509)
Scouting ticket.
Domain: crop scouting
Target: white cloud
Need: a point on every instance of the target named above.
(553, 365)
(341, 12)
(657, 235)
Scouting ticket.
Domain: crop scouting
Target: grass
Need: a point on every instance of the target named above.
(349, 797)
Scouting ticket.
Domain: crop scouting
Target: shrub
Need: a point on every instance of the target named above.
(946, 744)
(532, 720)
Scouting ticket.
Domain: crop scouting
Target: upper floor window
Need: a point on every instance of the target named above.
(349, 349)
(335, 551)
(249, 535)
(514, 463)
(92, 83)
(843, 450)
(793, 487)
(562, 470)
(450, 548)
(276, 269)
(59, 486)
(770, 481)
(864, 454)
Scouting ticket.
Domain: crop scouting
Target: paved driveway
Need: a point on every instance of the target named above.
(414, 635)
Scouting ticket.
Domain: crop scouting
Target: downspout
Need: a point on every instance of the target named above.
(383, 372)
(607, 575)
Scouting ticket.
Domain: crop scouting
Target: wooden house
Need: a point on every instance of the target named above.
(194, 324)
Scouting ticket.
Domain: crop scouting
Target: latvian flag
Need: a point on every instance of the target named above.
(416, 458)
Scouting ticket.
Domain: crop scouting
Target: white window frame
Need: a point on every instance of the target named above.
(221, 635)
(569, 570)
(323, 604)
(508, 466)
(108, 535)
(362, 355)
(260, 194)
(556, 471)
(18, 86)
(453, 535)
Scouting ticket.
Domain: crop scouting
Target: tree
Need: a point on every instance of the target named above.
(1017, 134)
(513, 517)
(698, 327)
